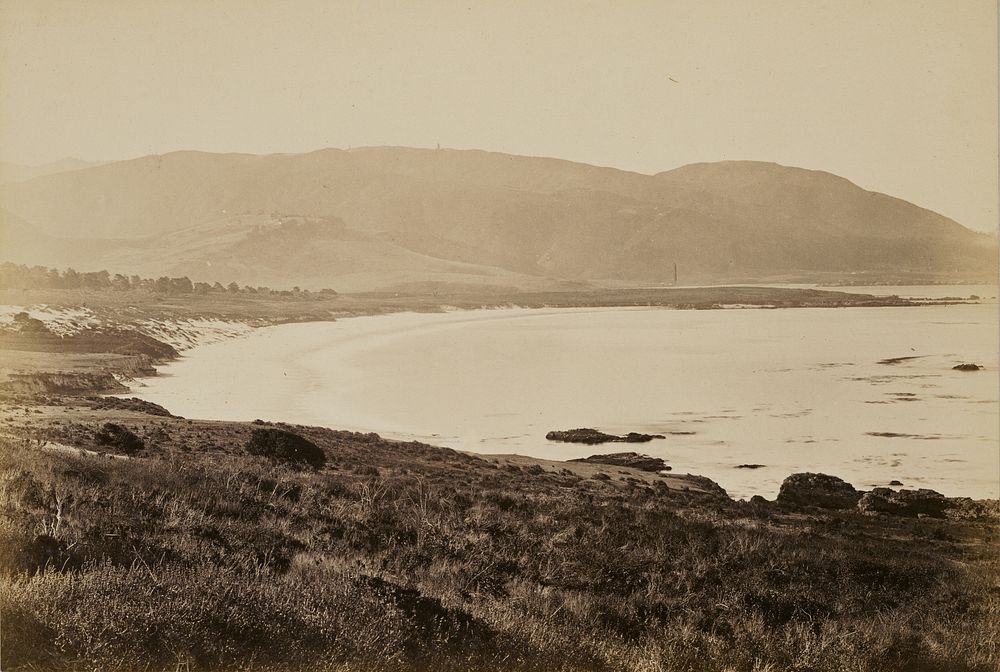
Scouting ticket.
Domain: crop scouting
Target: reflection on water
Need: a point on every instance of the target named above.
(868, 394)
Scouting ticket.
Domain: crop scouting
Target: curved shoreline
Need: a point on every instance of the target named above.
(192, 325)
(290, 364)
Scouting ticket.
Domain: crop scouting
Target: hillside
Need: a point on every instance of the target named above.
(15, 172)
(373, 217)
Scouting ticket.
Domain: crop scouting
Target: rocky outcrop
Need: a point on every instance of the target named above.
(592, 437)
(912, 503)
(633, 460)
(830, 492)
(708, 486)
(967, 367)
(827, 492)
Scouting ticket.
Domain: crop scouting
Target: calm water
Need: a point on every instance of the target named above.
(795, 390)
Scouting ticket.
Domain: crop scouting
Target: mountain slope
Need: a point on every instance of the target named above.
(15, 172)
(409, 214)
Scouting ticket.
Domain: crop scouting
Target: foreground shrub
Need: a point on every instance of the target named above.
(118, 438)
(283, 446)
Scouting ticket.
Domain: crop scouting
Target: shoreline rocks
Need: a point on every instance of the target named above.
(822, 490)
(911, 503)
(633, 460)
(829, 492)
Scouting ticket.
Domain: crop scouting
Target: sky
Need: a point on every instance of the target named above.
(899, 96)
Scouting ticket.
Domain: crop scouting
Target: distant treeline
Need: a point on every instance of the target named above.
(17, 276)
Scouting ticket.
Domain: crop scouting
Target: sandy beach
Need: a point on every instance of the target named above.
(723, 386)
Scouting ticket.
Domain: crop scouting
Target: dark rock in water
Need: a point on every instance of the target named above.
(828, 492)
(750, 466)
(592, 436)
(904, 502)
(967, 367)
(895, 482)
(633, 460)
(757, 500)
(891, 361)
(582, 435)
(635, 437)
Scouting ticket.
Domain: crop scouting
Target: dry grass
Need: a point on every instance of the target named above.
(196, 555)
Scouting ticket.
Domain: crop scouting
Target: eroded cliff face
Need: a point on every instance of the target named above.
(93, 360)
(39, 383)
(101, 374)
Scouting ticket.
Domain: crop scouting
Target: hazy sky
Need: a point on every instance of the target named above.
(899, 96)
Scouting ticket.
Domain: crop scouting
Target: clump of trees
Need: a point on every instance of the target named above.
(17, 276)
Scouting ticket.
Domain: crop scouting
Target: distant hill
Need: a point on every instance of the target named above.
(21, 242)
(15, 172)
(383, 216)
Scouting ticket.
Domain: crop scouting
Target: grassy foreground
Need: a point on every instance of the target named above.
(194, 554)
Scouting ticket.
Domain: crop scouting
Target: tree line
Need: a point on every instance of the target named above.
(18, 276)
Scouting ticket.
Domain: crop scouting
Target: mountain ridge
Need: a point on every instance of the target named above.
(526, 219)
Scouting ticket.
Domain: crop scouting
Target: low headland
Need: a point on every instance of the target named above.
(134, 539)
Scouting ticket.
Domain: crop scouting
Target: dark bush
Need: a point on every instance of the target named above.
(282, 446)
(118, 438)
